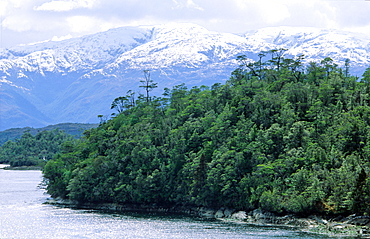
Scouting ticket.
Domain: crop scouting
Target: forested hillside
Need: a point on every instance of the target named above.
(74, 129)
(278, 135)
(34, 150)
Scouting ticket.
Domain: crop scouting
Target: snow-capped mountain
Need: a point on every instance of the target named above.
(77, 79)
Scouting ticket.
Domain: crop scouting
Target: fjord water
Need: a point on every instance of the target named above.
(23, 215)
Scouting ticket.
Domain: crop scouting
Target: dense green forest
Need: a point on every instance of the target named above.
(278, 135)
(75, 129)
(34, 150)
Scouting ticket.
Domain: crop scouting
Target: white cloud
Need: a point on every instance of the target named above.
(82, 23)
(273, 12)
(61, 38)
(3, 8)
(16, 23)
(242, 4)
(88, 24)
(25, 21)
(362, 29)
(66, 5)
(191, 4)
(16, 3)
(186, 4)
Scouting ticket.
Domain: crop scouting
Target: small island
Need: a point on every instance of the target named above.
(280, 140)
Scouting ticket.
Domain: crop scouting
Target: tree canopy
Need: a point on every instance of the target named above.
(278, 135)
(33, 150)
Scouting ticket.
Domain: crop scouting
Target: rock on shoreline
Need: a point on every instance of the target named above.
(353, 225)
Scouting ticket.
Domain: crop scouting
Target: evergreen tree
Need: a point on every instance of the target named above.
(278, 135)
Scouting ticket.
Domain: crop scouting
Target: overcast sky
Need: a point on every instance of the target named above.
(28, 21)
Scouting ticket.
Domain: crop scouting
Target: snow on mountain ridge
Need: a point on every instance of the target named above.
(75, 54)
(176, 44)
(74, 80)
(184, 45)
(314, 43)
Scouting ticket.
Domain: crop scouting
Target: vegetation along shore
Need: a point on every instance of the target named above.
(279, 136)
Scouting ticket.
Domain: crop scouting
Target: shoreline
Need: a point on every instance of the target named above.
(24, 168)
(3, 166)
(356, 226)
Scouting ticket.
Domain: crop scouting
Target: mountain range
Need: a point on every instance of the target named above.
(76, 80)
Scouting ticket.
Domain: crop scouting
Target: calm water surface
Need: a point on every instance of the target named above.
(23, 215)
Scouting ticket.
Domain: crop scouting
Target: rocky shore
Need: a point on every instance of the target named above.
(357, 226)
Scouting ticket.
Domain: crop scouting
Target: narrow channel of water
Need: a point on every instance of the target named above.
(23, 215)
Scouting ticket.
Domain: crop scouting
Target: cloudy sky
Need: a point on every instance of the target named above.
(29, 21)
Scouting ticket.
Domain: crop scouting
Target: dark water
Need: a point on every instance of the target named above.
(22, 215)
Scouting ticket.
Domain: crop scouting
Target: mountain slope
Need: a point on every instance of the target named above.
(315, 43)
(75, 80)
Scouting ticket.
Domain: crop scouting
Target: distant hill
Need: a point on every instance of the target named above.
(74, 129)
